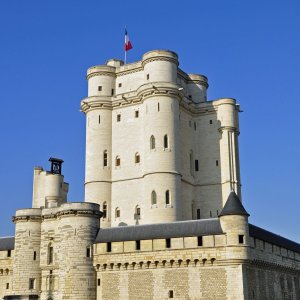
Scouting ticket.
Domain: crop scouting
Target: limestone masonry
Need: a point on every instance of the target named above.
(162, 217)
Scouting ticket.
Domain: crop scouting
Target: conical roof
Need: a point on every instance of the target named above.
(233, 206)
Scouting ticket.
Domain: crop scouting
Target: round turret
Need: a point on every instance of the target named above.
(160, 65)
(26, 280)
(197, 88)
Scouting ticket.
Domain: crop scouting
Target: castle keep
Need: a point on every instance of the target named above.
(162, 216)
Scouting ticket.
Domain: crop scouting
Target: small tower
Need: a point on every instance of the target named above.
(56, 164)
(234, 221)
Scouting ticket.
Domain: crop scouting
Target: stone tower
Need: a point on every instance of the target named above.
(156, 149)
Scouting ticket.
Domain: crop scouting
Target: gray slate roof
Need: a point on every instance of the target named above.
(233, 206)
(162, 230)
(273, 238)
(7, 243)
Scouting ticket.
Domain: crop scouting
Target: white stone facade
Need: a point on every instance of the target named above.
(195, 156)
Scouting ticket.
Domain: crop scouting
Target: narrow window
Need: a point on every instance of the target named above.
(8, 253)
(152, 142)
(108, 247)
(31, 283)
(7, 286)
(198, 214)
(117, 213)
(104, 210)
(137, 158)
(88, 251)
(148, 76)
(136, 114)
(34, 255)
(168, 197)
(158, 107)
(196, 165)
(210, 213)
(217, 162)
(50, 255)
(120, 84)
(195, 126)
(137, 211)
(171, 294)
(153, 198)
(168, 243)
(241, 239)
(199, 241)
(99, 88)
(118, 117)
(137, 245)
(99, 282)
(112, 92)
(118, 161)
(99, 119)
(166, 142)
(105, 158)
(210, 121)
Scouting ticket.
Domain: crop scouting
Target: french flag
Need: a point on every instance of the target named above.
(128, 45)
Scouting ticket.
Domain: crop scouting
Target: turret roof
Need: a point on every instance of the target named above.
(233, 206)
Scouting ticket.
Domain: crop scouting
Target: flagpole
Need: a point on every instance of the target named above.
(125, 57)
(125, 46)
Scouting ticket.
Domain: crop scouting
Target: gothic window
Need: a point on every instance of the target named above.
(105, 158)
(118, 161)
(117, 212)
(104, 210)
(152, 142)
(153, 198)
(137, 158)
(50, 254)
(166, 142)
(168, 200)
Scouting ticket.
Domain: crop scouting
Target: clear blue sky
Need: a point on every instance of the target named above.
(250, 50)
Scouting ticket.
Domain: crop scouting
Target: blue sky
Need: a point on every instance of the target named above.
(248, 49)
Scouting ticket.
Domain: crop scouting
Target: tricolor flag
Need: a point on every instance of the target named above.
(128, 45)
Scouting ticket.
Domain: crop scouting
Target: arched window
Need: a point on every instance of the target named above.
(117, 212)
(104, 210)
(166, 141)
(137, 158)
(118, 161)
(152, 142)
(153, 198)
(168, 198)
(50, 254)
(105, 158)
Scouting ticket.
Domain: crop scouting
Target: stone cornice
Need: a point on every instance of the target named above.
(100, 73)
(26, 218)
(160, 58)
(130, 71)
(228, 128)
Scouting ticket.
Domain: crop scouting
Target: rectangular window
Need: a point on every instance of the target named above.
(31, 283)
(210, 121)
(199, 241)
(241, 239)
(171, 294)
(148, 76)
(120, 84)
(136, 113)
(8, 253)
(137, 245)
(99, 281)
(108, 247)
(50, 255)
(99, 88)
(196, 165)
(168, 243)
(198, 213)
(88, 252)
(34, 255)
(217, 162)
(118, 117)
(7, 286)
(112, 92)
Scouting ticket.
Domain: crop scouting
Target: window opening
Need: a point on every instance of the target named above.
(241, 239)
(108, 247)
(120, 84)
(118, 213)
(88, 251)
(34, 255)
(99, 119)
(50, 255)
(137, 158)
(31, 283)
(171, 294)
(99, 282)
(138, 245)
(7, 286)
(198, 213)
(217, 162)
(105, 158)
(166, 141)
(8, 253)
(210, 121)
(118, 161)
(153, 198)
(148, 76)
(168, 197)
(136, 113)
(152, 142)
(168, 243)
(195, 126)
(104, 210)
(118, 117)
(158, 107)
(196, 165)
(200, 241)
(112, 92)
(99, 88)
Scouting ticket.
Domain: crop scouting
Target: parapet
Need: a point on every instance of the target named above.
(165, 55)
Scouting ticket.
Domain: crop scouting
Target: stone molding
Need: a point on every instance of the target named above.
(26, 218)
(100, 73)
(160, 58)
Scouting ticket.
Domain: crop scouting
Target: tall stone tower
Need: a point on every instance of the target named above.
(156, 149)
